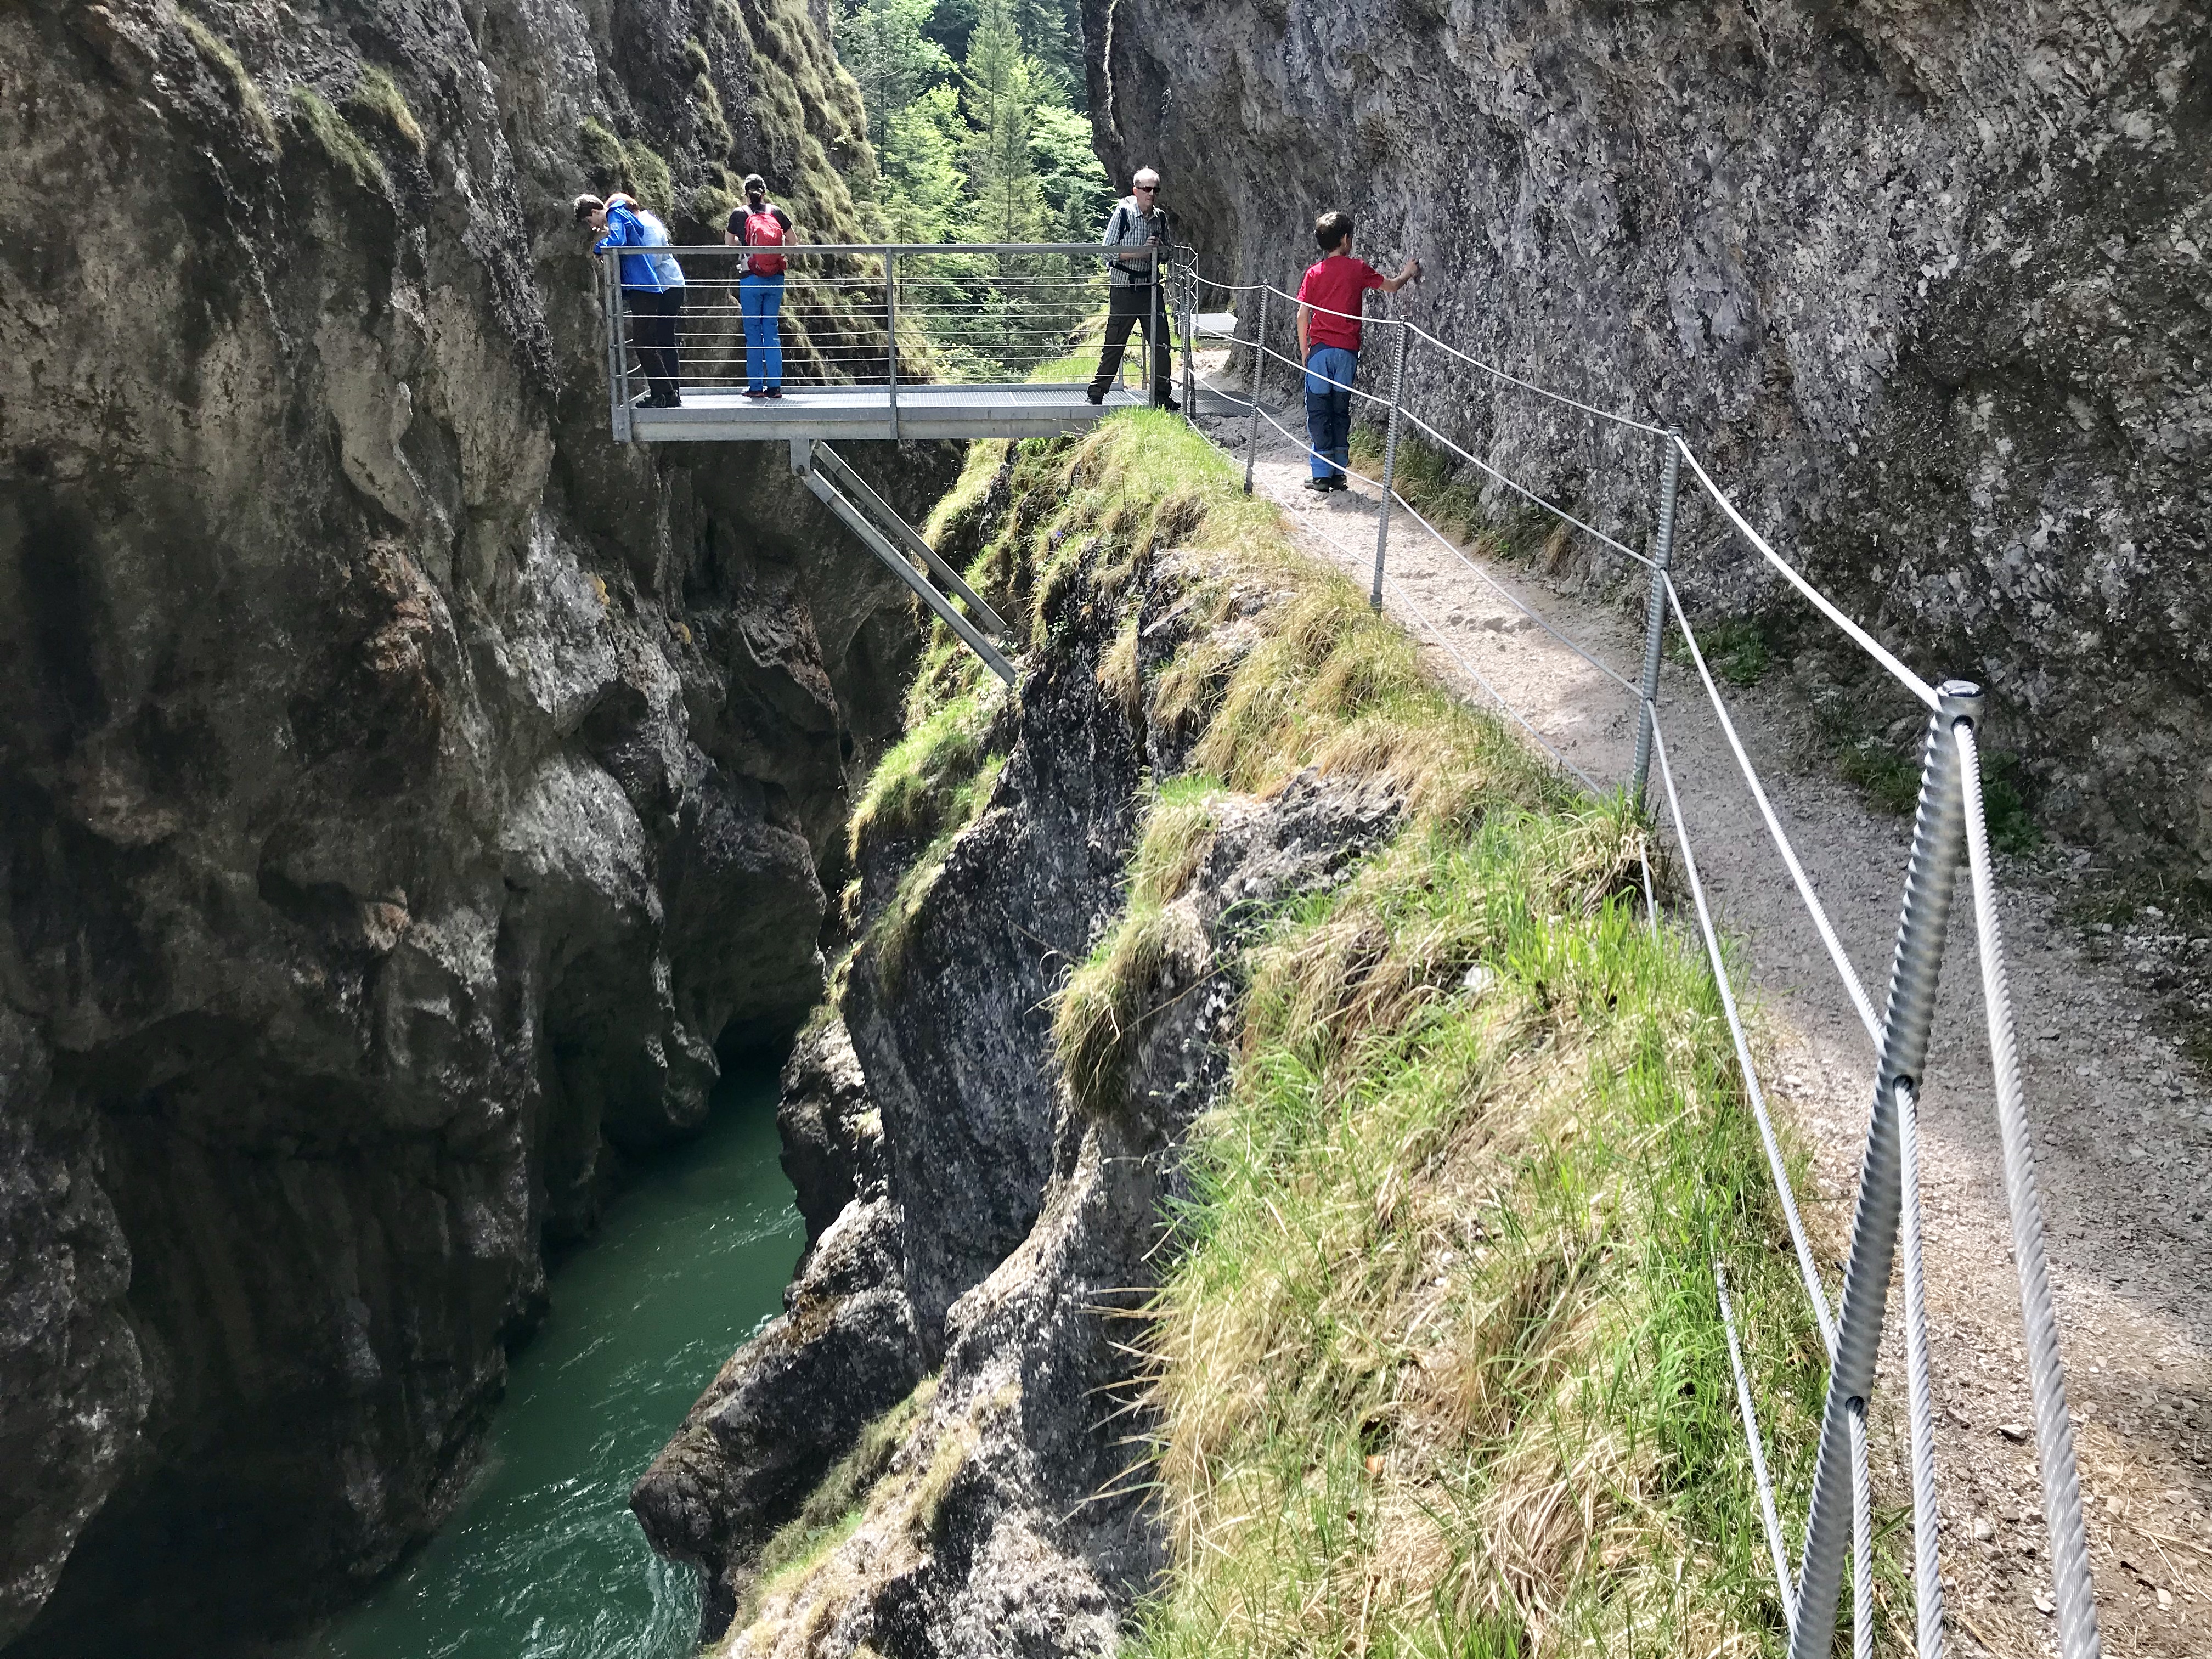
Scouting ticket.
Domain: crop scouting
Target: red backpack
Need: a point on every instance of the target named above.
(762, 230)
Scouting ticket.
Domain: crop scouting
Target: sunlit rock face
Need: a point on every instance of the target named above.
(406, 789)
(1925, 286)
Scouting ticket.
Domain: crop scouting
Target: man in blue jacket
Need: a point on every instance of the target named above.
(652, 285)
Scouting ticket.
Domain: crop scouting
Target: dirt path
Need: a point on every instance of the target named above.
(2123, 1121)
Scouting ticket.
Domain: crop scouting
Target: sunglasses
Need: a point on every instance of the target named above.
(1147, 189)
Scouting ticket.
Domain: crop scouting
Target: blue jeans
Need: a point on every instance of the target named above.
(761, 298)
(1329, 409)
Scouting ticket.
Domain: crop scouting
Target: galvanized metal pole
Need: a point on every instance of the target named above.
(1153, 390)
(1654, 614)
(618, 409)
(1190, 286)
(891, 314)
(621, 347)
(1939, 839)
(1389, 462)
(1252, 437)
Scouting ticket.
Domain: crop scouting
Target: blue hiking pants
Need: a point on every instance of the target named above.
(1329, 371)
(761, 299)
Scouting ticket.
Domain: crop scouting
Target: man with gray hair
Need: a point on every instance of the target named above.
(1136, 237)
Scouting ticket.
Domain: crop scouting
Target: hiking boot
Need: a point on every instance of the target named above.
(1169, 404)
(1322, 486)
(773, 392)
(755, 391)
(1094, 397)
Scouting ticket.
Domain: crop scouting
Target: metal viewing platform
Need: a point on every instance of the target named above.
(876, 341)
(885, 342)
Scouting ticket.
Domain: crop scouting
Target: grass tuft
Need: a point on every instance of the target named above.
(932, 778)
(377, 96)
(244, 89)
(344, 148)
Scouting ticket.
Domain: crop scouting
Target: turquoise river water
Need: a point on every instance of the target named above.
(543, 1559)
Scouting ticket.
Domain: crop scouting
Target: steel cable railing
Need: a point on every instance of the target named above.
(869, 317)
(1951, 830)
(858, 318)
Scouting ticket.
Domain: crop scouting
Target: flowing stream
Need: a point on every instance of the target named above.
(543, 1559)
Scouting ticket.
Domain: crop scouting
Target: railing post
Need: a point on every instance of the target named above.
(1153, 390)
(611, 320)
(620, 312)
(891, 314)
(1389, 462)
(1939, 834)
(1655, 613)
(1189, 287)
(1252, 437)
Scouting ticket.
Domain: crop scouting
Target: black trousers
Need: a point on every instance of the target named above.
(653, 319)
(1131, 306)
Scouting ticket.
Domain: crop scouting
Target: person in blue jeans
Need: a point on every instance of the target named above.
(1329, 304)
(651, 286)
(761, 224)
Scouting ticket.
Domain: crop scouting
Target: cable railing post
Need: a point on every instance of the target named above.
(1939, 838)
(1189, 288)
(1153, 390)
(1390, 461)
(891, 323)
(617, 406)
(1655, 613)
(620, 312)
(1259, 357)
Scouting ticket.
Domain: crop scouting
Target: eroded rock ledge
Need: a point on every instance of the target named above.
(995, 1229)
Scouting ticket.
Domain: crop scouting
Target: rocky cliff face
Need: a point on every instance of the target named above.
(1925, 285)
(992, 1227)
(405, 789)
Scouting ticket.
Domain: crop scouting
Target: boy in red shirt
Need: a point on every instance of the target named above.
(1329, 301)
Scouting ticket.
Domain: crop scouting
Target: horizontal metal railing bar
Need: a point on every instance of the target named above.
(1515, 600)
(1770, 1522)
(1475, 674)
(1805, 1267)
(1526, 494)
(1865, 641)
(1844, 970)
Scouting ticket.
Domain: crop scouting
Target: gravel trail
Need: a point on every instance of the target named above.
(2123, 1119)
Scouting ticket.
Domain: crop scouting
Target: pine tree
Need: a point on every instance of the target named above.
(882, 43)
(1000, 84)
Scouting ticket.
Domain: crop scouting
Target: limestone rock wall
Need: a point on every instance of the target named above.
(991, 1226)
(1926, 285)
(402, 789)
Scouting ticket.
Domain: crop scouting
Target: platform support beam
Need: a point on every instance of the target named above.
(876, 524)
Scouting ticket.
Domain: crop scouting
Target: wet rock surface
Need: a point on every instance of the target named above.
(1925, 289)
(406, 789)
(1009, 1521)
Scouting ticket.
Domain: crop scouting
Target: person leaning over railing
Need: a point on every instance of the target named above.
(760, 223)
(652, 285)
(1329, 302)
(1134, 294)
